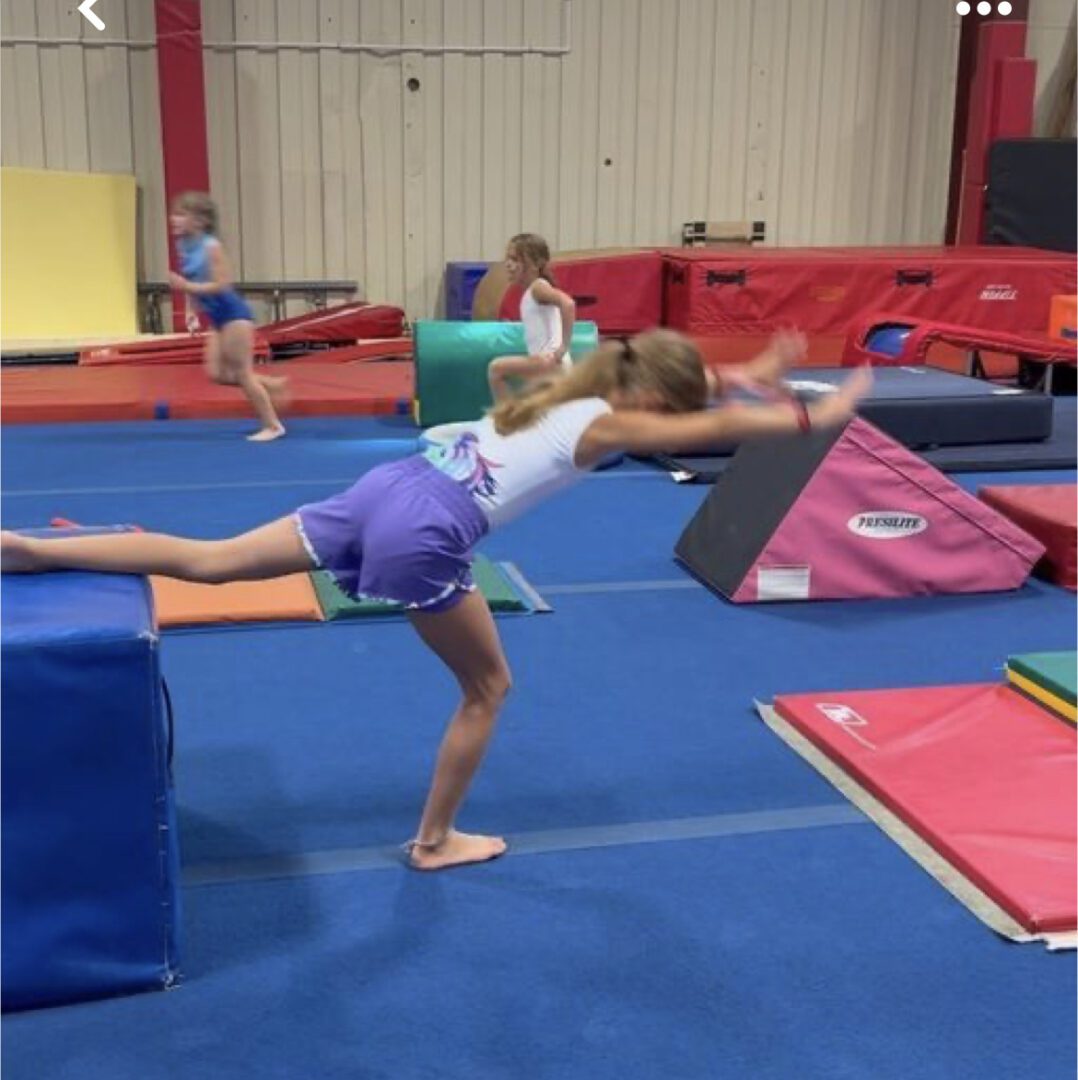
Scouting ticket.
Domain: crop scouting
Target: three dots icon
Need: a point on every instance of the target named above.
(983, 8)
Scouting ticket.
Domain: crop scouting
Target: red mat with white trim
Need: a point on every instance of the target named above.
(979, 772)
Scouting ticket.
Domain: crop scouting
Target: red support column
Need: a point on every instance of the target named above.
(184, 145)
(993, 100)
(967, 63)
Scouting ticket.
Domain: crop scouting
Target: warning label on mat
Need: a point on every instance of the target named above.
(783, 583)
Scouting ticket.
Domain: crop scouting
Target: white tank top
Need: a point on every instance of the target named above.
(508, 474)
(542, 326)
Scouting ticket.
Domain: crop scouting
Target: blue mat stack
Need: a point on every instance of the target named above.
(90, 851)
(461, 281)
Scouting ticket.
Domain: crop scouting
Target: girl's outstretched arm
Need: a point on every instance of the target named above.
(640, 432)
(763, 374)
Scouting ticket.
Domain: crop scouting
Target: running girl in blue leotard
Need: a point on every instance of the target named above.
(206, 276)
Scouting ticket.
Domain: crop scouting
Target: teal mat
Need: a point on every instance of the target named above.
(451, 361)
(1054, 671)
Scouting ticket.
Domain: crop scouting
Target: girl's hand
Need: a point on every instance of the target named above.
(789, 347)
(178, 281)
(837, 408)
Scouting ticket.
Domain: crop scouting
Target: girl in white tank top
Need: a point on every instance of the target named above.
(547, 313)
(406, 529)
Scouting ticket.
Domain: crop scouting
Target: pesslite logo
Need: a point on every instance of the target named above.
(886, 524)
(999, 292)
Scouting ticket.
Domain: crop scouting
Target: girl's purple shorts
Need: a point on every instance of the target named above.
(404, 532)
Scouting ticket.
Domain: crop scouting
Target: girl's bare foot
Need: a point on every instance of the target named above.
(456, 849)
(267, 434)
(17, 554)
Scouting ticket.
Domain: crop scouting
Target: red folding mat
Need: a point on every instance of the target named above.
(342, 324)
(982, 774)
(167, 349)
(1048, 512)
(372, 350)
(925, 334)
(825, 290)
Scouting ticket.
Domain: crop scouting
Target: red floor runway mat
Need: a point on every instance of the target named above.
(1050, 513)
(43, 395)
(53, 395)
(981, 773)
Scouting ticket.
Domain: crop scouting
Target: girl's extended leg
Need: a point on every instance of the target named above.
(237, 350)
(466, 640)
(270, 551)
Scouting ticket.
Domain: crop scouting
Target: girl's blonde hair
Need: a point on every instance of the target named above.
(534, 249)
(660, 361)
(201, 207)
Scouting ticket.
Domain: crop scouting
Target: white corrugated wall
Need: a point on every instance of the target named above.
(1052, 25)
(830, 120)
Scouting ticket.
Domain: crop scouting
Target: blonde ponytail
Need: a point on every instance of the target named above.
(594, 376)
(660, 362)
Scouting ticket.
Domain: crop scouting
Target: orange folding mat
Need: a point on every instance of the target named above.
(285, 599)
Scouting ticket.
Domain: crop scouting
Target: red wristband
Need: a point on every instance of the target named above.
(804, 421)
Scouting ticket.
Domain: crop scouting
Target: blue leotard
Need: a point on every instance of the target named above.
(221, 307)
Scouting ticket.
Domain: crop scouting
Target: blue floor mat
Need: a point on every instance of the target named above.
(341, 758)
(821, 955)
(818, 953)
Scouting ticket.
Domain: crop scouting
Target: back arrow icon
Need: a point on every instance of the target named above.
(85, 11)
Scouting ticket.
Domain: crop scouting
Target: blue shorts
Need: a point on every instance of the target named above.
(404, 533)
(225, 307)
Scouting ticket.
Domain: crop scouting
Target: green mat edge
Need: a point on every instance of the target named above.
(525, 600)
(1025, 664)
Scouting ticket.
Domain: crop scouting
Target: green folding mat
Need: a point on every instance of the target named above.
(1054, 671)
(451, 361)
(503, 590)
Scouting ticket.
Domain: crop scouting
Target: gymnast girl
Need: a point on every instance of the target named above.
(405, 531)
(206, 276)
(547, 314)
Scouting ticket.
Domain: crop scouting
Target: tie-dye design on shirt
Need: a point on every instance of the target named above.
(460, 460)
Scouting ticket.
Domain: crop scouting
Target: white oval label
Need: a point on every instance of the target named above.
(886, 524)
